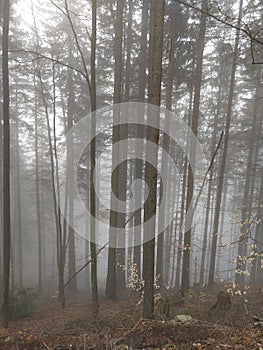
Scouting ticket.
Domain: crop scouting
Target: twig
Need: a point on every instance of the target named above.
(208, 170)
(136, 325)
(246, 309)
(52, 59)
(83, 267)
(84, 341)
(247, 32)
(129, 332)
(45, 345)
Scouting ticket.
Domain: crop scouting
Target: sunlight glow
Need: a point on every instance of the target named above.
(28, 9)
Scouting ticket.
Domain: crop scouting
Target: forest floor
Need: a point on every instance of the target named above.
(120, 325)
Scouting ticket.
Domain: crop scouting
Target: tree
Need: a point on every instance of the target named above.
(93, 95)
(6, 169)
(224, 155)
(111, 276)
(194, 126)
(154, 96)
(141, 92)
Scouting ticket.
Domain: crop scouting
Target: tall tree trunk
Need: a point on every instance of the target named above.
(120, 267)
(18, 202)
(6, 169)
(140, 145)
(61, 244)
(165, 168)
(254, 146)
(71, 234)
(224, 155)
(93, 209)
(221, 227)
(154, 97)
(210, 182)
(111, 276)
(128, 45)
(194, 125)
(38, 210)
(183, 199)
(143, 51)
(256, 273)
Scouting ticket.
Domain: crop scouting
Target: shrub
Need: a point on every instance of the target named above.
(21, 303)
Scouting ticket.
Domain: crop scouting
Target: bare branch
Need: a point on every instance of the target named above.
(85, 265)
(52, 59)
(208, 169)
(78, 45)
(244, 29)
(66, 12)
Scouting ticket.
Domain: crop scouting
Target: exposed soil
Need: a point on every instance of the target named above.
(120, 324)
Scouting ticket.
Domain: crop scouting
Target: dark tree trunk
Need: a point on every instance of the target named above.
(194, 125)
(111, 276)
(210, 183)
(71, 234)
(140, 145)
(6, 170)
(93, 99)
(154, 97)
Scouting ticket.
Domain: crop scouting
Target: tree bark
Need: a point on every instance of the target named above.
(210, 182)
(140, 145)
(224, 155)
(154, 97)
(93, 209)
(190, 180)
(6, 169)
(110, 292)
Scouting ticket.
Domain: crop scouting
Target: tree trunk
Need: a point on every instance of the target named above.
(253, 146)
(18, 202)
(93, 209)
(190, 180)
(210, 182)
(110, 292)
(57, 212)
(38, 210)
(140, 145)
(224, 155)
(71, 234)
(165, 169)
(154, 97)
(6, 169)
(183, 199)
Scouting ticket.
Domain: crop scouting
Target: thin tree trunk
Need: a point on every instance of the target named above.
(255, 145)
(128, 54)
(224, 155)
(183, 199)
(6, 169)
(256, 273)
(110, 292)
(140, 145)
(210, 182)
(18, 202)
(223, 161)
(190, 180)
(57, 213)
(93, 211)
(39, 231)
(38, 210)
(221, 226)
(165, 168)
(71, 234)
